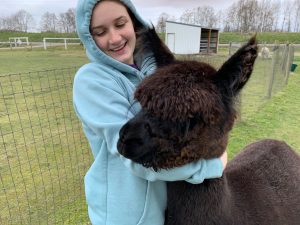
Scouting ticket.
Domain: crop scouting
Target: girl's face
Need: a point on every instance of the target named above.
(113, 31)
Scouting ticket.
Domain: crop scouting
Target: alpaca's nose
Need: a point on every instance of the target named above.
(133, 137)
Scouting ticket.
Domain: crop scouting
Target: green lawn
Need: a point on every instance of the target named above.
(279, 118)
(43, 154)
(21, 61)
(266, 37)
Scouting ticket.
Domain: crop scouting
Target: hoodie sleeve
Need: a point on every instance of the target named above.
(103, 108)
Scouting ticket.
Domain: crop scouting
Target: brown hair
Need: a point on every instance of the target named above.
(137, 25)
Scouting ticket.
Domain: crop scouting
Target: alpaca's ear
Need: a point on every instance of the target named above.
(149, 39)
(235, 72)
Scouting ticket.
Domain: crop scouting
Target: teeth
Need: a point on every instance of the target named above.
(119, 48)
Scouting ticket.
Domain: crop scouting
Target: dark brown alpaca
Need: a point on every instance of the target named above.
(187, 113)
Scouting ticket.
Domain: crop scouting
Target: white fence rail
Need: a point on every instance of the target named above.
(64, 39)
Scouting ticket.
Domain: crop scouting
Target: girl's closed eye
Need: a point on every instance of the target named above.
(98, 32)
(121, 23)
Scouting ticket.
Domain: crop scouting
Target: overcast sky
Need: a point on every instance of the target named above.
(149, 9)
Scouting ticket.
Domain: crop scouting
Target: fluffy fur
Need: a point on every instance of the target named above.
(187, 113)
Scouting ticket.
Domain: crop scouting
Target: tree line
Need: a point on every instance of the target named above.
(243, 16)
(23, 21)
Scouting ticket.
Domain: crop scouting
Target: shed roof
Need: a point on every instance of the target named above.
(193, 25)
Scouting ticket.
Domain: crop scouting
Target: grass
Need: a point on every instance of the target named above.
(225, 37)
(266, 37)
(43, 154)
(20, 61)
(34, 37)
(279, 118)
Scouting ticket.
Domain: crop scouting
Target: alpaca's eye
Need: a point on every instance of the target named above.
(193, 122)
(149, 130)
(186, 128)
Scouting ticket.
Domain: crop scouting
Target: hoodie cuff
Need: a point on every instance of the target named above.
(211, 168)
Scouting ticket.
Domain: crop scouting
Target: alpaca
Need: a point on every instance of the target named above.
(265, 52)
(187, 113)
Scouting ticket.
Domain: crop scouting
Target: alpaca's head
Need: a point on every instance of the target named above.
(187, 111)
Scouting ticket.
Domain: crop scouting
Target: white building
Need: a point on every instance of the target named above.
(182, 38)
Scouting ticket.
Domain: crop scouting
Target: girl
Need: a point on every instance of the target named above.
(118, 191)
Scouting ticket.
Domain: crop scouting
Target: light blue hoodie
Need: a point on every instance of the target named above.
(118, 191)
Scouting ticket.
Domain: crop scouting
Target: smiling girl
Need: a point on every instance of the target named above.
(118, 191)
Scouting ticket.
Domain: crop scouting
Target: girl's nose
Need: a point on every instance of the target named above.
(114, 37)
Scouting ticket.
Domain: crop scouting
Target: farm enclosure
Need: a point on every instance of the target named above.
(43, 153)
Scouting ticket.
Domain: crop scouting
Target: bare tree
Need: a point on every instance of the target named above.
(220, 17)
(266, 15)
(66, 21)
(247, 14)
(287, 16)
(70, 17)
(161, 22)
(49, 22)
(297, 15)
(19, 21)
(187, 16)
(62, 21)
(205, 16)
(2, 23)
(231, 22)
(24, 20)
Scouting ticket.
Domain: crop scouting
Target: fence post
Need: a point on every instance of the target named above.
(287, 65)
(44, 40)
(275, 56)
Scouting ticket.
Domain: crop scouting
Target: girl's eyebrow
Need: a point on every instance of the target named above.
(101, 26)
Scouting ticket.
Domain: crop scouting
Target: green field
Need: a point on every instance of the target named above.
(279, 118)
(43, 153)
(20, 61)
(267, 37)
(44, 156)
(35, 37)
(225, 37)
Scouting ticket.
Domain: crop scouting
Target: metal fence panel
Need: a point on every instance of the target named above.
(43, 153)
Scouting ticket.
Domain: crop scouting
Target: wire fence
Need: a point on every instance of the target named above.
(270, 74)
(44, 154)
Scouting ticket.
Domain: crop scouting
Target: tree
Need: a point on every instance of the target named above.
(161, 22)
(205, 16)
(66, 21)
(49, 22)
(297, 16)
(23, 20)
(19, 21)
(287, 16)
(231, 22)
(187, 16)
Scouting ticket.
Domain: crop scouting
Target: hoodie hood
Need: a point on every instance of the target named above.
(83, 17)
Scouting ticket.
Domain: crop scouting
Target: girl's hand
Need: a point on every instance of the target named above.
(224, 159)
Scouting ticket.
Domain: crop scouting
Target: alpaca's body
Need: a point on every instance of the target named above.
(259, 186)
(188, 110)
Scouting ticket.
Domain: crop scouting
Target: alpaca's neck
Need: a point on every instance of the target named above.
(202, 202)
